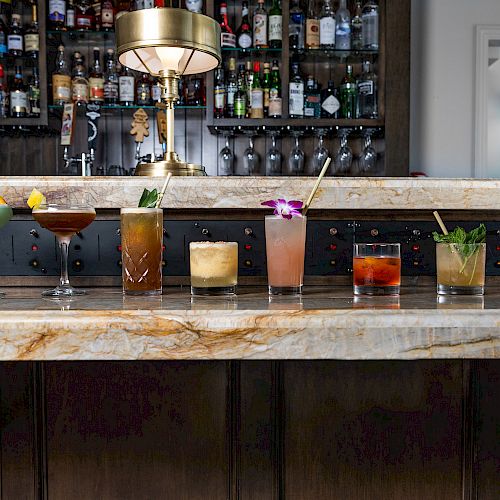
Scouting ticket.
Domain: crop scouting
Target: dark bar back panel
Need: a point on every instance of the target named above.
(313, 430)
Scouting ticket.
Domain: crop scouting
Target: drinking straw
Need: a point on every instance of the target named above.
(316, 186)
(163, 189)
(440, 222)
(445, 232)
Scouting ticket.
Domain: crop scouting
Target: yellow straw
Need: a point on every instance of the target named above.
(163, 189)
(440, 222)
(316, 186)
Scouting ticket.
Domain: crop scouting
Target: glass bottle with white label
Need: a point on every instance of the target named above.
(275, 25)
(57, 14)
(19, 106)
(329, 102)
(296, 93)
(34, 94)
(227, 37)
(275, 101)
(327, 26)
(126, 87)
(260, 26)
(367, 93)
(111, 92)
(312, 27)
(257, 93)
(370, 24)
(32, 36)
(343, 27)
(231, 88)
(79, 82)
(15, 37)
(244, 32)
(70, 15)
(61, 80)
(96, 79)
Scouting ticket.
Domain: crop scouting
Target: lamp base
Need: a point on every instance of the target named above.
(175, 167)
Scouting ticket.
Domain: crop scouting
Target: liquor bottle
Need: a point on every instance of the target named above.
(194, 6)
(275, 92)
(312, 27)
(312, 101)
(275, 25)
(79, 82)
(3, 36)
(143, 90)
(85, 16)
(15, 37)
(34, 93)
(266, 87)
(156, 91)
(348, 95)
(57, 14)
(231, 87)
(296, 26)
(219, 93)
(32, 35)
(107, 15)
(126, 87)
(260, 25)
(195, 94)
(111, 84)
(329, 102)
(244, 33)
(296, 93)
(343, 27)
(367, 93)
(96, 8)
(249, 86)
(227, 37)
(240, 98)
(257, 93)
(356, 27)
(61, 80)
(96, 79)
(4, 95)
(70, 15)
(327, 26)
(370, 20)
(19, 106)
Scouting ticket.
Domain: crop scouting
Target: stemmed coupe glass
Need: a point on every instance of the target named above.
(251, 159)
(296, 159)
(320, 154)
(64, 220)
(343, 159)
(273, 157)
(226, 159)
(368, 158)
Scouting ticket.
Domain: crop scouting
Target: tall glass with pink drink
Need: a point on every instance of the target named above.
(285, 250)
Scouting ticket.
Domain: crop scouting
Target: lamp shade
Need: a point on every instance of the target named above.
(150, 40)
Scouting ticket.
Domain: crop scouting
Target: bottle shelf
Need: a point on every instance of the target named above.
(293, 123)
(84, 35)
(316, 54)
(251, 50)
(107, 107)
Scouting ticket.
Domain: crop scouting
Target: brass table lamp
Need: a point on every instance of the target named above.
(168, 43)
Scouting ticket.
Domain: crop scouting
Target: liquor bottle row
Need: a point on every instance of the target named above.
(91, 15)
(18, 100)
(114, 84)
(312, 28)
(344, 161)
(16, 41)
(248, 94)
(356, 97)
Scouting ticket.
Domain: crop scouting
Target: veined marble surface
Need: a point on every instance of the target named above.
(326, 323)
(248, 192)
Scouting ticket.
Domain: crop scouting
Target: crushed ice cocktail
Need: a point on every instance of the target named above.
(64, 220)
(142, 249)
(214, 267)
(377, 268)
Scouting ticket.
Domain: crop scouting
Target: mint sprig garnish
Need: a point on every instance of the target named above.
(148, 199)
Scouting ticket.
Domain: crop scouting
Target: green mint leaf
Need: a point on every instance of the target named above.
(148, 199)
(463, 241)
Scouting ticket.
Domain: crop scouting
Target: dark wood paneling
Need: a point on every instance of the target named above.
(373, 430)
(136, 431)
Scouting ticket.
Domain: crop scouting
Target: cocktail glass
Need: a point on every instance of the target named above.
(142, 248)
(285, 251)
(460, 268)
(64, 220)
(214, 267)
(377, 268)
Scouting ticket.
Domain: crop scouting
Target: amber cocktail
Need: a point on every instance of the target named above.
(142, 248)
(64, 220)
(377, 269)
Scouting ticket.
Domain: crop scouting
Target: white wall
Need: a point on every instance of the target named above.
(442, 83)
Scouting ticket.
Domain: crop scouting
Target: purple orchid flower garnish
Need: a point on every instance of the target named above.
(286, 209)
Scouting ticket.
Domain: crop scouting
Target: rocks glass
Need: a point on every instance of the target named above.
(142, 248)
(214, 267)
(377, 268)
(460, 268)
(285, 251)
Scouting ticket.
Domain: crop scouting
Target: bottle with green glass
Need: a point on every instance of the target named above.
(275, 91)
(240, 98)
(348, 94)
(275, 25)
(266, 87)
(257, 93)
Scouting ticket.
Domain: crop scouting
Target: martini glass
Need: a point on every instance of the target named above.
(64, 220)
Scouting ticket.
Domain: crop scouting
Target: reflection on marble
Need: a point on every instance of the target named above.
(249, 192)
(326, 323)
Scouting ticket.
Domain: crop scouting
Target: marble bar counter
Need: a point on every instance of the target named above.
(248, 192)
(326, 323)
